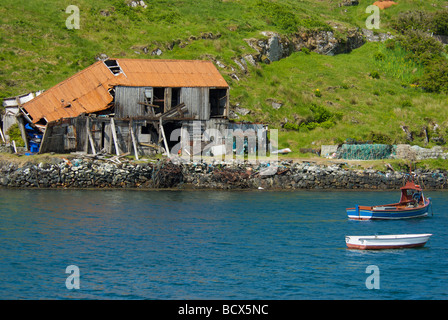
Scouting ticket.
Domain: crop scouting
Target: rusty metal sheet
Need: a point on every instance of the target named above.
(87, 90)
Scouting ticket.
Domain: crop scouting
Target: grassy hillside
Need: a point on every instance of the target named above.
(360, 96)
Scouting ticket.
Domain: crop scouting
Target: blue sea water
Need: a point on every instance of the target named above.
(168, 245)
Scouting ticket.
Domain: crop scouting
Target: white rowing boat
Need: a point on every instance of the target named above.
(393, 241)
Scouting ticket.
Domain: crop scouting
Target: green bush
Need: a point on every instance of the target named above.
(305, 50)
(421, 46)
(379, 56)
(390, 44)
(309, 125)
(435, 76)
(14, 134)
(440, 22)
(406, 104)
(375, 74)
(320, 113)
(321, 117)
(378, 137)
(432, 22)
(327, 124)
(291, 126)
(412, 20)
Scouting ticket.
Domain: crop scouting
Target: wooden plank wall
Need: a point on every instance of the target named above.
(197, 102)
(128, 101)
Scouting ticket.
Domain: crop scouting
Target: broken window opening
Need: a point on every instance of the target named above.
(159, 99)
(42, 121)
(169, 127)
(65, 104)
(146, 129)
(148, 134)
(218, 102)
(113, 66)
(148, 95)
(175, 97)
(147, 105)
(103, 135)
(27, 115)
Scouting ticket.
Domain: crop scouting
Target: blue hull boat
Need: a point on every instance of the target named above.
(413, 204)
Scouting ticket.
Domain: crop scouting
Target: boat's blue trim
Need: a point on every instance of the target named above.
(356, 213)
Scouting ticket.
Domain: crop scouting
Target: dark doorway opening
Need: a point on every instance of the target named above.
(218, 102)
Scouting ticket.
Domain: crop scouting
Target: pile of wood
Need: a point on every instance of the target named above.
(230, 175)
(102, 156)
(166, 174)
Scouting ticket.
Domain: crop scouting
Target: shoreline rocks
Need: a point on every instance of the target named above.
(165, 174)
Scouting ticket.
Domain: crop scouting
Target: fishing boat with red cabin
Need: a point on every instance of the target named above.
(412, 204)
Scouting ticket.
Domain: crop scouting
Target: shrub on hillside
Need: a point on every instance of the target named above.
(378, 137)
(412, 20)
(432, 22)
(440, 23)
(15, 134)
(422, 47)
(435, 76)
(379, 56)
(321, 117)
(374, 74)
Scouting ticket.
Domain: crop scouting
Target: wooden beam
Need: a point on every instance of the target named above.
(1, 134)
(164, 138)
(23, 132)
(44, 140)
(134, 143)
(89, 135)
(149, 104)
(114, 136)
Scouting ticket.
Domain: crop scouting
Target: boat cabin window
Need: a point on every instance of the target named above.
(411, 194)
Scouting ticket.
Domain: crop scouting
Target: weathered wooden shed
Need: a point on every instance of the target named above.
(12, 110)
(121, 105)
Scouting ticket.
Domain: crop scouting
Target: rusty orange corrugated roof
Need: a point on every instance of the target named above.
(87, 90)
(171, 73)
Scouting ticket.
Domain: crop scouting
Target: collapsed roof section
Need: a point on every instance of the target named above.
(88, 91)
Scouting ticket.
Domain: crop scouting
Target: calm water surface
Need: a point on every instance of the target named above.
(211, 245)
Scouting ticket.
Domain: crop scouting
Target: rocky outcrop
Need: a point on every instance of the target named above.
(273, 46)
(136, 3)
(348, 3)
(372, 36)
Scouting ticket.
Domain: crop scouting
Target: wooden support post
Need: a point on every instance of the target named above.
(14, 146)
(89, 137)
(164, 138)
(44, 140)
(23, 132)
(114, 136)
(1, 134)
(134, 143)
(92, 145)
(86, 142)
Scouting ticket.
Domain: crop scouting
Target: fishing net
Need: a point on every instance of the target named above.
(365, 151)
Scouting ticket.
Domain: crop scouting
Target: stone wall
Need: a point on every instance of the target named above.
(8, 148)
(81, 173)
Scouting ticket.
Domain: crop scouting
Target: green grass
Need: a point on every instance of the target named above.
(37, 51)
(395, 63)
